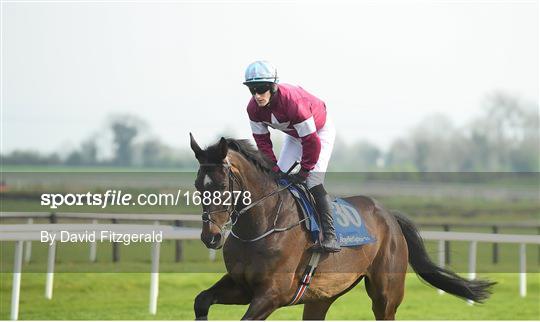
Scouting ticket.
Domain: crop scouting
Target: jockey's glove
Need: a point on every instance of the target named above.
(278, 174)
(300, 176)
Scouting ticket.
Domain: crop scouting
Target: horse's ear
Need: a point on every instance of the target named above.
(195, 147)
(223, 148)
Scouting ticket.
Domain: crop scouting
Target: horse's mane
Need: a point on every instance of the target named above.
(248, 151)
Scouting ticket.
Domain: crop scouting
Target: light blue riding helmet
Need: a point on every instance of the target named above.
(261, 71)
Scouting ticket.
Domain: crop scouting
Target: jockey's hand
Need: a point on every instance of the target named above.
(299, 177)
(278, 174)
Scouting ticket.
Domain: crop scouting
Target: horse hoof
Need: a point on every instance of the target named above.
(202, 318)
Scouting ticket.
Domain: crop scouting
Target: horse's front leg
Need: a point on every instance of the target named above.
(225, 291)
(262, 305)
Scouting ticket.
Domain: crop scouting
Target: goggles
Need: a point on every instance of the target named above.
(260, 89)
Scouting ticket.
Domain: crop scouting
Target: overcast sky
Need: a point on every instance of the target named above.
(380, 66)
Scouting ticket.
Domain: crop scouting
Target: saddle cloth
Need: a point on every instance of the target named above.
(350, 229)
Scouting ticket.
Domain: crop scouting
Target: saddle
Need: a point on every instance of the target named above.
(306, 201)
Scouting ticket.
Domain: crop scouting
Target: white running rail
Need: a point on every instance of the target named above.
(475, 238)
(21, 233)
(95, 217)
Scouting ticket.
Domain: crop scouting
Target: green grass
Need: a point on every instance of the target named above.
(94, 292)
(106, 296)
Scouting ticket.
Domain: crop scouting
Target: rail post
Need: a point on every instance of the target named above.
(522, 270)
(115, 250)
(16, 287)
(154, 276)
(441, 258)
(472, 263)
(178, 254)
(52, 218)
(495, 260)
(28, 245)
(446, 227)
(50, 270)
(93, 246)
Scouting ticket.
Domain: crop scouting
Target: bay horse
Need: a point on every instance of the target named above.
(267, 248)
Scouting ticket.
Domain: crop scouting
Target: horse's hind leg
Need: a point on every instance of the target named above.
(225, 291)
(385, 279)
(386, 291)
(316, 310)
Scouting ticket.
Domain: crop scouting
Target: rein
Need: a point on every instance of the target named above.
(274, 229)
(234, 214)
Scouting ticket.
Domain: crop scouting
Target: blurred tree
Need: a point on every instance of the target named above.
(19, 157)
(125, 129)
(74, 158)
(432, 142)
(338, 161)
(85, 155)
(506, 136)
(365, 156)
(151, 153)
(89, 152)
(361, 156)
(401, 156)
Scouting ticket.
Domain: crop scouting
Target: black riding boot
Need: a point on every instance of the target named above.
(329, 243)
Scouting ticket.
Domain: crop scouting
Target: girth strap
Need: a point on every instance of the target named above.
(306, 277)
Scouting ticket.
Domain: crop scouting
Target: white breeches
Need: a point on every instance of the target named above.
(292, 152)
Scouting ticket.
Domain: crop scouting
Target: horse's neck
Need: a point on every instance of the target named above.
(252, 179)
(260, 218)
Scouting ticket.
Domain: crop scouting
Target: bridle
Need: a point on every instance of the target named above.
(231, 208)
(235, 214)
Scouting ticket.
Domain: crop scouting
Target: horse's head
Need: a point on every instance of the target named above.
(212, 182)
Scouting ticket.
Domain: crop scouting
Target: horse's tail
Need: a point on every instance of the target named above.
(446, 280)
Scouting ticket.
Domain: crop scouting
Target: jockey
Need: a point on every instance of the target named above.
(310, 135)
